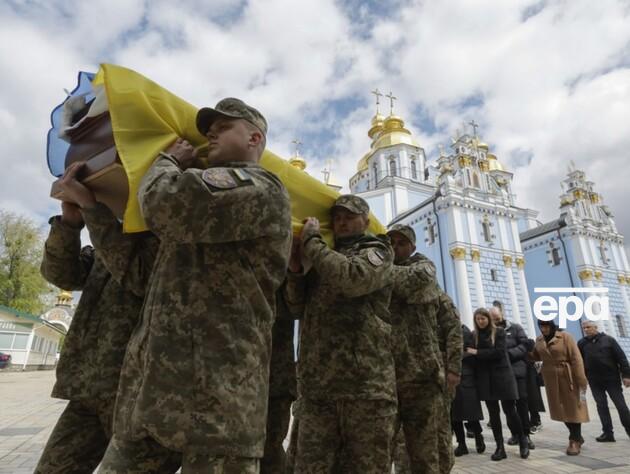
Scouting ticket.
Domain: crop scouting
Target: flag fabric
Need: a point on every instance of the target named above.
(146, 119)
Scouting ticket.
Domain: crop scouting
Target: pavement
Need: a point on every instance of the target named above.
(28, 415)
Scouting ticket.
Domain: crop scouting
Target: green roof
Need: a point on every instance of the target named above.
(20, 314)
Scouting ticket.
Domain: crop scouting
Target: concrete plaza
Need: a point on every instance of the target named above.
(28, 415)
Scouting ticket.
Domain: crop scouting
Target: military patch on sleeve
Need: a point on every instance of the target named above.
(219, 178)
(376, 257)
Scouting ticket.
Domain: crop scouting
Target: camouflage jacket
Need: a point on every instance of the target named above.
(196, 374)
(108, 310)
(282, 377)
(426, 325)
(345, 335)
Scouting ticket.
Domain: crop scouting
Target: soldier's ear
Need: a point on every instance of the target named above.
(255, 138)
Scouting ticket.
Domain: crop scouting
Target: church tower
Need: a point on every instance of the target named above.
(392, 176)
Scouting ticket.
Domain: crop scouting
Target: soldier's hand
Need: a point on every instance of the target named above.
(311, 227)
(75, 191)
(295, 260)
(183, 152)
(452, 380)
(71, 214)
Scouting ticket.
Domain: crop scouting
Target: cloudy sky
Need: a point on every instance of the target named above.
(548, 81)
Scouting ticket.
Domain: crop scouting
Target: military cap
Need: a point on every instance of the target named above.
(353, 203)
(404, 230)
(231, 108)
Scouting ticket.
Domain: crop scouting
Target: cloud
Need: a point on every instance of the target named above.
(546, 80)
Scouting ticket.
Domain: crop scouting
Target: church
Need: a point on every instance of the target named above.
(485, 245)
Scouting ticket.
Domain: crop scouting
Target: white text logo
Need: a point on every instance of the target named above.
(595, 307)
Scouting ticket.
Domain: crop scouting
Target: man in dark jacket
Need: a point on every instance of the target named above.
(606, 365)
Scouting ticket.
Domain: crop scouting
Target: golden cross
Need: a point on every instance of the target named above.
(297, 144)
(391, 102)
(378, 95)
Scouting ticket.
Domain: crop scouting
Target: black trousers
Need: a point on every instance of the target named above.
(575, 431)
(513, 420)
(522, 405)
(458, 428)
(615, 393)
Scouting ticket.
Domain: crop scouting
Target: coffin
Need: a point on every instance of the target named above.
(92, 140)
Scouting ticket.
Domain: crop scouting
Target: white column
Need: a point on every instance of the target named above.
(516, 313)
(611, 330)
(475, 256)
(461, 280)
(529, 323)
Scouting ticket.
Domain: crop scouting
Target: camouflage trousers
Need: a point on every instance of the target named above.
(278, 418)
(147, 456)
(79, 440)
(345, 436)
(424, 444)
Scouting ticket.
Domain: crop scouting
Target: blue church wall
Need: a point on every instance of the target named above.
(617, 307)
(540, 273)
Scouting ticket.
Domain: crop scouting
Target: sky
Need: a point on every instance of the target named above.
(547, 81)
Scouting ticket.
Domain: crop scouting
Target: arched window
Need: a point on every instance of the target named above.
(621, 327)
(375, 170)
(414, 170)
(392, 167)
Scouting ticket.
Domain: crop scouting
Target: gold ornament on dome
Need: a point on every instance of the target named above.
(520, 263)
(585, 275)
(458, 253)
(598, 275)
(507, 260)
(475, 255)
(621, 279)
(595, 198)
(565, 201)
(484, 165)
(578, 194)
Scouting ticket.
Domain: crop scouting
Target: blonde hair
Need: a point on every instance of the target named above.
(493, 328)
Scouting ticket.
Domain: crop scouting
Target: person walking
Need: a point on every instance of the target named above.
(606, 366)
(466, 405)
(565, 381)
(495, 381)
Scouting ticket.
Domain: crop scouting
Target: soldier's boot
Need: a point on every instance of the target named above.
(460, 450)
(523, 447)
(479, 443)
(499, 453)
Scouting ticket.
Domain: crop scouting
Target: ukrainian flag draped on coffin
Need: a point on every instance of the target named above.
(146, 119)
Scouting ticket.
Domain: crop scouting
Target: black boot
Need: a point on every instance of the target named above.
(479, 443)
(523, 447)
(606, 438)
(460, 450)
(499, 453)
(512, 440)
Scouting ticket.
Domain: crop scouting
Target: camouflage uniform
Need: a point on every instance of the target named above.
(196, 374)
(89, 367)
(346, 377)
(420, 324)
(282, 389)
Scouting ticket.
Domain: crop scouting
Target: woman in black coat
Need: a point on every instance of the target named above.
(495, 381)
(466, 405)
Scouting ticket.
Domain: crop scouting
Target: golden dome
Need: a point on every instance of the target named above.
(377, 125)
(493, 163)
(482, 145)
(362, 166)
(298, 162)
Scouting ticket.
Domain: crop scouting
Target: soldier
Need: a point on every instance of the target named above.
(112, 282)
(346, 378)
(196, 376)
(282, 389)
(427, 348)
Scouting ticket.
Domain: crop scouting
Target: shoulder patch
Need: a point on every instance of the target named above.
(376, 257)
(219, 178)
(242, 175)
